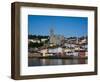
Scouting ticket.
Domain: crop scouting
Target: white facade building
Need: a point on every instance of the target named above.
(55, 50)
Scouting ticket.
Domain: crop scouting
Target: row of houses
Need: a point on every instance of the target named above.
(59, 51)
(67, 49)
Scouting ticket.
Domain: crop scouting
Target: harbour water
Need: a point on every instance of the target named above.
(48, 62)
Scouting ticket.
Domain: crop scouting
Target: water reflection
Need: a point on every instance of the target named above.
(46, 62)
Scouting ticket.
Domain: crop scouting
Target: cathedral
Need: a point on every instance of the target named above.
(54, 38)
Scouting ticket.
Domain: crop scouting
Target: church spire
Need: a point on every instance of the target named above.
(51, 31)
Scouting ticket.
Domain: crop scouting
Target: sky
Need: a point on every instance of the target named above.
(62, 25)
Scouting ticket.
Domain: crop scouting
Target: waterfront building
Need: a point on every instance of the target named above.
(44, 51)
(82, 53)
(55, 50)
(76, 54)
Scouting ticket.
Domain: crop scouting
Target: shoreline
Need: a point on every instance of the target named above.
(57, 57)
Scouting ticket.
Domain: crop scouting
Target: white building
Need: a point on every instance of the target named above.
(55, 50)
(34, 40)
(44, 51)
